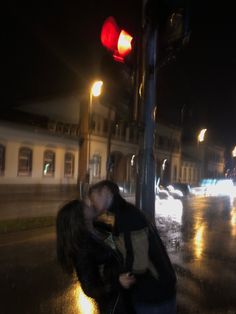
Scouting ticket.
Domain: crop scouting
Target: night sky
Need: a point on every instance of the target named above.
(55, 49)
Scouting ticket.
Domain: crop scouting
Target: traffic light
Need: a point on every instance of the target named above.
(116, 40)
(172, 18)
(117, 68)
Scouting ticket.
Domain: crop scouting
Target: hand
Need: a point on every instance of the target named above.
(127, 280)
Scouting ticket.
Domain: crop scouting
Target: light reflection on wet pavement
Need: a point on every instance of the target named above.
(202, 246)
(200, 236)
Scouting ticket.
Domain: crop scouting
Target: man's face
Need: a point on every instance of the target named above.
(100, 200)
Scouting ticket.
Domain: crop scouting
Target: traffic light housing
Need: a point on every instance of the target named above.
(116, 40)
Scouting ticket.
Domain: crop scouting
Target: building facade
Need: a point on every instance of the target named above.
(33, 156)
(91, 146)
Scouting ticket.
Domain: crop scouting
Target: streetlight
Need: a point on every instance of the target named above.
(201, 152)
(95, 91)
(201, 135)
(234, 152)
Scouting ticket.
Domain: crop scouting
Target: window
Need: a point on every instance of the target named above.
(49, 163)
(175, 173)
(2, 159)
(185, 174)
(189, 174)
(69, 165)
(96, 166)
(25, 161)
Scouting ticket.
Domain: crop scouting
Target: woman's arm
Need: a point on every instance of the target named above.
(89, 276)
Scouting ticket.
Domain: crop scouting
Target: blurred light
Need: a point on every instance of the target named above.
(234, 152)
(132, 160)
(124, 43)
(116, 40)
(164, 164)
(199, 240)
(201, 135)
(45, 171)
(85, 304)
(233, 221)
(172, 190)
(96, 88)
(215, 187)
(118, 58)
(198, 191)
(169, 208)
(110, 34)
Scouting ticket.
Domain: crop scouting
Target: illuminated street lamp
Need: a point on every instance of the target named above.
(95, 91)
(201, 150)
(201, 135)
(234, 152)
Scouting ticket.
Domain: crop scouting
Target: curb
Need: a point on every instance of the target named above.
(21, 224)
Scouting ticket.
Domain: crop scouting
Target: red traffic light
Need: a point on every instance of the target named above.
(116, 40)
(110, 34)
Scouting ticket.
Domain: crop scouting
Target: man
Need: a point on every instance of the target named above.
(153, 290)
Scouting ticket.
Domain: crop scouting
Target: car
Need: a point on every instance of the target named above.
(184, 188)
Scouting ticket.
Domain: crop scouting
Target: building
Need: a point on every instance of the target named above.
(41, 150)
(72, 145)
(202, 160)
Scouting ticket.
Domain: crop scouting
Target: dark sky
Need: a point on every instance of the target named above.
(57, 50)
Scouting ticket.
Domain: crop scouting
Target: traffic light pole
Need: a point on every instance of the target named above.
(145, 194)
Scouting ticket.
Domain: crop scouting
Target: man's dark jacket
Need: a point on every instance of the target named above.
(98, 267)
(144, 253)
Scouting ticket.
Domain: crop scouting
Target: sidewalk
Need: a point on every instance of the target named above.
(23, 212)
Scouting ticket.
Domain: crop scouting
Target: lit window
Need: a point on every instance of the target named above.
(2, 159)
(185, 174)
(49, 163)
(25, 161)
(69, 165)
(96, 166)
(175, 173)
(189, 174)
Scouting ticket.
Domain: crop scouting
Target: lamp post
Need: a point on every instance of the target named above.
(200, 139)
(233, 175)
(95, 91)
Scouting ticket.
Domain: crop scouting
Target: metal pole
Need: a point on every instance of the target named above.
(145, 199)
(89, 136)
(108, 144)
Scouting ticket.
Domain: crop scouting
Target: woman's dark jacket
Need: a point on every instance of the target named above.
(144, 253)
(98, 267)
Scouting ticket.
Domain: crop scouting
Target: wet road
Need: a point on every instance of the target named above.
(201, 240)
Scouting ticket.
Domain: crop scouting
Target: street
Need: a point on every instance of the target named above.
(200, 237)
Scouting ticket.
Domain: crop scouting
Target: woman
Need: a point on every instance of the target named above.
(92, 254)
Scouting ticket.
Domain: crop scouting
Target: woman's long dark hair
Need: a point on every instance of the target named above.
(71, 233)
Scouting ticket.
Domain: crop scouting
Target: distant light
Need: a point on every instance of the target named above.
(97, 88)
(234, 152)
(201, 135)
(164, 164)
(132, 160)
(45, 171)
